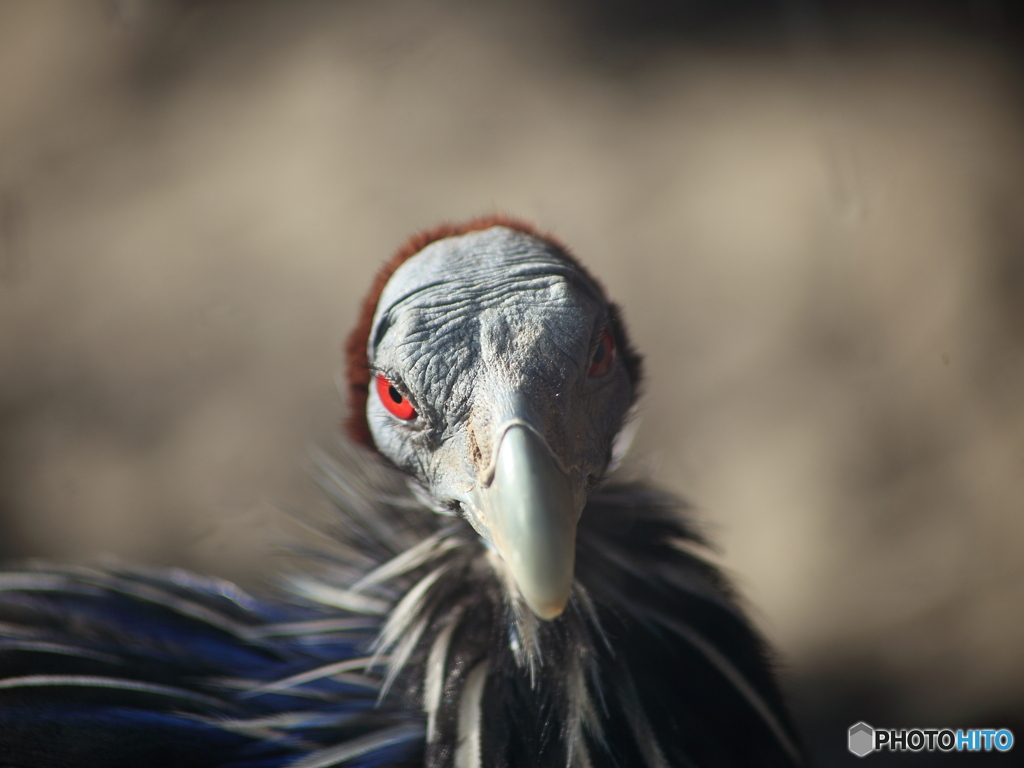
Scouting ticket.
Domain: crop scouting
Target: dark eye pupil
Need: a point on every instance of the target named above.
(599, 354)
(394, 394)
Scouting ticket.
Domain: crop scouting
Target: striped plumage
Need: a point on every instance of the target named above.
(408, 642)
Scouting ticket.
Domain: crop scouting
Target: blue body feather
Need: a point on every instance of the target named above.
(101, 667)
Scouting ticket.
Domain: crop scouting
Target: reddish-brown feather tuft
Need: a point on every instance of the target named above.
(358, 374)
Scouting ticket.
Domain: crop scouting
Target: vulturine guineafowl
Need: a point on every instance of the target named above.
(493, 598)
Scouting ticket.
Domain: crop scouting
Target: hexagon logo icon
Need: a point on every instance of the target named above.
(862, 739)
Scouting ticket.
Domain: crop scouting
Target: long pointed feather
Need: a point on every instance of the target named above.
(113, 683)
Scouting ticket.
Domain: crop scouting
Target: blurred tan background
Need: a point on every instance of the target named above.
(813, 218)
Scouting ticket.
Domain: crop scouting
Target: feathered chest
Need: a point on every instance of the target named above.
(651, 664)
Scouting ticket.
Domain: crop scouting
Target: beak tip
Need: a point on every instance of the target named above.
(548, 610)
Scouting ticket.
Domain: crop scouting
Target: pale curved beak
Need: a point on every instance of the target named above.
(531, 507)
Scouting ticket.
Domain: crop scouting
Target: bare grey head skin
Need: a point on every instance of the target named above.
(503, 349)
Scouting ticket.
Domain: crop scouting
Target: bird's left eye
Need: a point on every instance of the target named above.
(604, 355)
(397, 404)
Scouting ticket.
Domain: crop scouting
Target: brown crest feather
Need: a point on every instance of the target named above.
(357, 364)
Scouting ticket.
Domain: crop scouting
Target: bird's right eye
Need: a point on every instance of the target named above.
(397, 405)
(604, 355)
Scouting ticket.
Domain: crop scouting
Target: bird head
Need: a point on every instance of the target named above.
(490, 367)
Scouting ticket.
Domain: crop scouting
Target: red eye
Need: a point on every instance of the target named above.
(604, 356)
(393, 400)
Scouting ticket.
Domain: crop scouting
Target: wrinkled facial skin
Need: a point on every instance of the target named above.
(484, 332)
